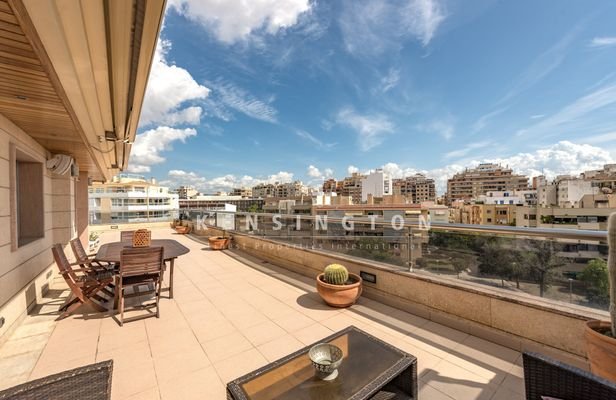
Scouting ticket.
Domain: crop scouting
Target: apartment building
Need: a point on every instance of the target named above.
(565, 191)
(220, 203)
(296, 205)
(376, 184)
(484, 214)
(291, 189)
(264, 190)
(351, 186)
(514, 197)
(417, 188)
(330, 186)
(475, 182)
(242, 192)
(186, 192)
(130, 198)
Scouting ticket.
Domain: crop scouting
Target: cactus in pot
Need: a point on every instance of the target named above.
(338, 287)
(336, 274)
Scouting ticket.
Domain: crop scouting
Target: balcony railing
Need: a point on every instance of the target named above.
(550, 263)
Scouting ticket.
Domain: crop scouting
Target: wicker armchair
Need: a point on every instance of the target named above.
(544, 376)
(92, 382)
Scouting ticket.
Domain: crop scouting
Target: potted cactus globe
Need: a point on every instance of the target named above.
(601, 335)
(337, 287)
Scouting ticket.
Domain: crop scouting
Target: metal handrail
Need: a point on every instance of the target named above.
(555, 233)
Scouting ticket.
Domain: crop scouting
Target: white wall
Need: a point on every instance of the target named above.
(375, 184)
(24, 270)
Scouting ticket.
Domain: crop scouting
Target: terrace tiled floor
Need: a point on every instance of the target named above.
(231, 316)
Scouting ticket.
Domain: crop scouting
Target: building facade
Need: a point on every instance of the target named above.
(475, 182)
(130, 198)
(417, 188)
(242, 192)
(351, 187)
(377, 184)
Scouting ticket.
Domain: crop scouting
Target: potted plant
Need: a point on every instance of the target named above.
(219, 242)
(183, 228)
(601, 335)
(337, 287)
(175, 223)
(93, 241)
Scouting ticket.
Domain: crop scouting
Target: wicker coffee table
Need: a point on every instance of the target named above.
(371, 369)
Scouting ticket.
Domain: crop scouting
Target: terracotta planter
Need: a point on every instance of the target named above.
(182, 229)
(218, 242)
(601, 350)
(340, 295)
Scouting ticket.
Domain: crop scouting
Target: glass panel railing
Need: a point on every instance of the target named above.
(564, 265)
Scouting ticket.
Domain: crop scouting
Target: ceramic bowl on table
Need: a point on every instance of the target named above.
(326, 358)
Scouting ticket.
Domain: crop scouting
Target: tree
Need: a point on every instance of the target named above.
(541, 259)
(495, 260)
(595, 276)
(461, 263)
(254, 208)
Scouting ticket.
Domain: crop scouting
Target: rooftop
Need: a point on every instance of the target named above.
(232, 314)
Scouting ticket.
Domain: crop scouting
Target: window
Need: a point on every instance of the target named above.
(27, 203)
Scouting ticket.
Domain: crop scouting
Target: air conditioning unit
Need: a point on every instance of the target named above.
(60, 164)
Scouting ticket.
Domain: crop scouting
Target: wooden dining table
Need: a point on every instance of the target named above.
(111, 253)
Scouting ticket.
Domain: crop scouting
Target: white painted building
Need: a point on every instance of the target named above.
(377, 184)
(566, 192)
(510, 197)
(130, 198)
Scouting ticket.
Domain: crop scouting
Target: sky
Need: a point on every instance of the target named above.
(242, 92)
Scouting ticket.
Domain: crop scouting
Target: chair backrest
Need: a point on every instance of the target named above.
(141, 261)
(66, 271)
(545, 377)
(92, 382)
(79, 251)
(126, 236)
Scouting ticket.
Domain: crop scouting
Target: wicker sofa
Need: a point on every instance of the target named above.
(92, 382)
(545, 377)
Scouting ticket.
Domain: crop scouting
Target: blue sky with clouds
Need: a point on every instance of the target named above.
(243, 92)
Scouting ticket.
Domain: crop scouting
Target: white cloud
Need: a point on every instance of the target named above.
(232, 21)
(390, 80)
(221, 183)
(148, 146)
(352, 169)
(371, 129)
(316, 173)
(467, 149)
(601, 138)
(562, 158)
(542, 66)
(537, 116)
(444, 128)
(169, 87)
(484, 120)
(370, 28)
(605, 41)
(314, 140)
(227, 95)
(576, 116)
(423, 17)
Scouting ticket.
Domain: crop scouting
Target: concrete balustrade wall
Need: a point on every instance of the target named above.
(518, 321)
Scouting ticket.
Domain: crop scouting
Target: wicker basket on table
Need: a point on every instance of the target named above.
(142, 238)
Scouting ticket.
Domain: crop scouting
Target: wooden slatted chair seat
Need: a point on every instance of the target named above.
(127, 236)
(140, 266)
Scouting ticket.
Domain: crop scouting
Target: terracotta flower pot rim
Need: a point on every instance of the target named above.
(592, 326)
(357, 278)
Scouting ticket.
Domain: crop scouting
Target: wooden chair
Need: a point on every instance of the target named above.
(86, 260)
(126, 236)
(140, 266)
(86, 284)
